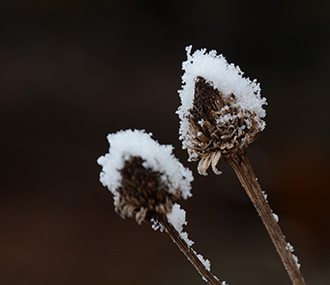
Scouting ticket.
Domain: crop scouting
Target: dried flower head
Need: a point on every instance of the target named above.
(142, 193)
(144, 177)
(219, 127)
(221, 112)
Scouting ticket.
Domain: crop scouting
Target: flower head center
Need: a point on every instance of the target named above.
(142, 194)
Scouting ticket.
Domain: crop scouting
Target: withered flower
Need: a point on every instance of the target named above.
(144, 176)
(142, 193)
(221, 112)
(146, 181)
(218, 126)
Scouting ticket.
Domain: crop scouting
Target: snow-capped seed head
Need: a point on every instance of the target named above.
(144, 176)
(218, 126)
(221, 112)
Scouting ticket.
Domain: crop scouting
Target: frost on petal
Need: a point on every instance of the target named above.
(156, 225)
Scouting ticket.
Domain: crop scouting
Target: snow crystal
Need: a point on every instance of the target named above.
(289, 247)
(224, 118)
(201, 122)
(128, 143)
(276, 217)
(177, 218)
(156, 225)
(296, 260)
(225, 77)
(206, 262)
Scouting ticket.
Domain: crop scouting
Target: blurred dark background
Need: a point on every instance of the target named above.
(74, 71)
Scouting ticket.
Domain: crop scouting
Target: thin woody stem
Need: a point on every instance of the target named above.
(189, 253)
(244, 172)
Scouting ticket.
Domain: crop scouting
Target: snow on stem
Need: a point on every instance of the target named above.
(245, 174)
(146, 181)
(192, 256)
(221, 113)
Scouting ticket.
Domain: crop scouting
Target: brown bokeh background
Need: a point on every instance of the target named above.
(74, 71)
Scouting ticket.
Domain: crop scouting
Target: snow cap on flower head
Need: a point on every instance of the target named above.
(221, 111)
(144, 176)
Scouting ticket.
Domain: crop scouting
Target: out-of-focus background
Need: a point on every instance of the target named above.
(74, 71)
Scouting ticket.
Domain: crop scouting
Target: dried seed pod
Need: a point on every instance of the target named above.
(142, 194)
(221, 111)
(221, 114)
(218, 127)
(144, 176)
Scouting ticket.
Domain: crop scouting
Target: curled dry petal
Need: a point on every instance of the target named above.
(204, 164)
(215, 159)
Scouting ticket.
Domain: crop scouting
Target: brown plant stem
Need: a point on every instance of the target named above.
(244, 172)
(189, 253)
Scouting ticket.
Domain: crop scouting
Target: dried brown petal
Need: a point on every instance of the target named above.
(204, 164)
(215, 159)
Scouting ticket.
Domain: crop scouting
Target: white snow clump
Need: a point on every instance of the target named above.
(177, 218)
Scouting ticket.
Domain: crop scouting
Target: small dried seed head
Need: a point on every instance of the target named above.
(142, 194)
(218, 126)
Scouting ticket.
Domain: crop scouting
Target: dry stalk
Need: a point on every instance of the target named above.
(143, 196)
(219, 127)
(189, 253)
(245, 174)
